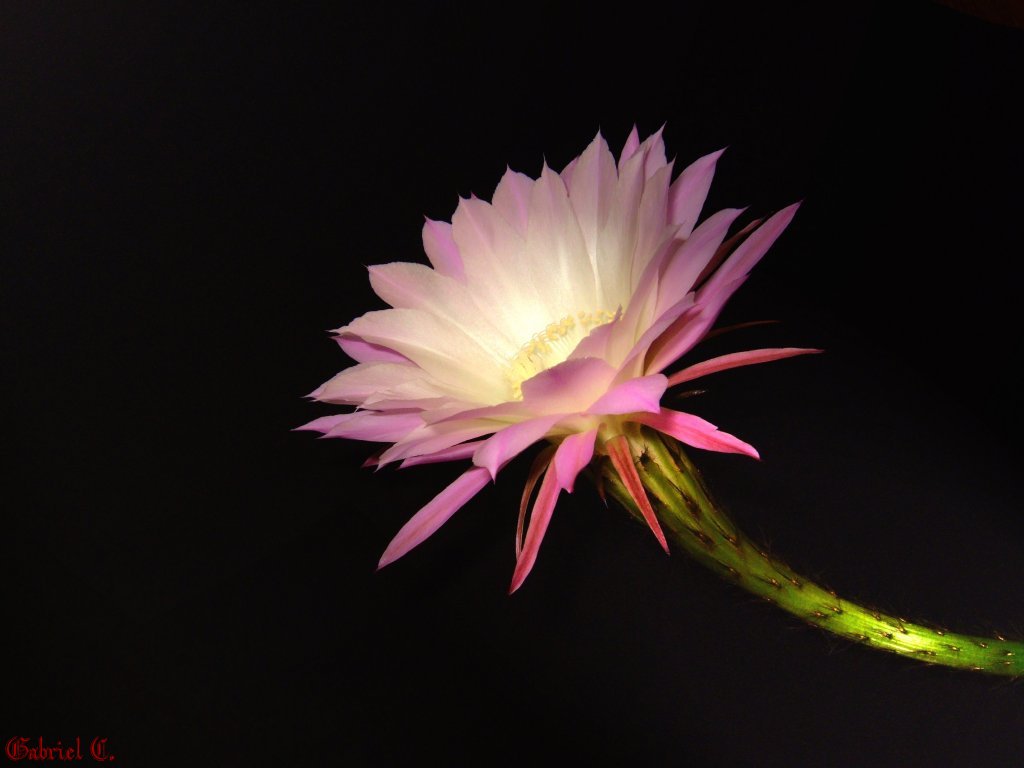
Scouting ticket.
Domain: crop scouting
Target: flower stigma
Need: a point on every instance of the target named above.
(552, 346)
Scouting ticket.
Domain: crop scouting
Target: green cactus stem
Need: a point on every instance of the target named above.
(707, 534)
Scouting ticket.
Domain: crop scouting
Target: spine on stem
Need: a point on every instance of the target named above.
(706, 533)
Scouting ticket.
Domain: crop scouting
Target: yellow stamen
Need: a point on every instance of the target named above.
(552, 346)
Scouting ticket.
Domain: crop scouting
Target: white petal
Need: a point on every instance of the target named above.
(439, 347)
(556, 252)
(512, 199)
(591, 187)
(353, 385)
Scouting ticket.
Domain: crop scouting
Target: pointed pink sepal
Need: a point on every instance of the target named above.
(737, 360)
(435, 514)
(622, 460)
(694, 431)
(324, 424)
(539, 466)
(539, 520)
(571, 456)
(751, 250)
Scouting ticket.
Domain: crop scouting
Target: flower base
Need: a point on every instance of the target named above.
(707, 534)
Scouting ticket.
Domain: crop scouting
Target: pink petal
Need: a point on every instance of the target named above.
(658, 329)
(568, 387)
(324, 424)
(455, 453)
(724, 250)
(364, 352)
(642, 394)
(751, 250)
(435, 514)
(441, 412)
(690, 190)
(501, 414)
(353, 385)
(595, 343)
(692, 325)
(509, 442)
(437, 437)
(653, 149)
(688, 262)
(566, 173)
(376, 427)
(625, 202)
(631, 146)
(540, 464)
(441, 249)
(574, 453)
(640, 315)
(694, 431)
(735, 360)
(622, 459)
(539, 519)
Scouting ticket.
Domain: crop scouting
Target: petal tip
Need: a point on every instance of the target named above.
(790, 210)
(747, 450)
(518, 578)
(485, 462)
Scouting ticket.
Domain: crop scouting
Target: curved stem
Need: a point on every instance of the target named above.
(707, 534)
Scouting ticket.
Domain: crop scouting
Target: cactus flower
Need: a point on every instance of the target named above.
(550, 314)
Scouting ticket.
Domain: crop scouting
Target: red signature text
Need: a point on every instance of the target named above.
(20, 748)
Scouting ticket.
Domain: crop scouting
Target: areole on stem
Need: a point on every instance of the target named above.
(706, 533)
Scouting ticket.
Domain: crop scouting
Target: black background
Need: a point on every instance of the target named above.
(190, 195)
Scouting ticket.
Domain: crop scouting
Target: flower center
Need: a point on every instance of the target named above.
(552, 346)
